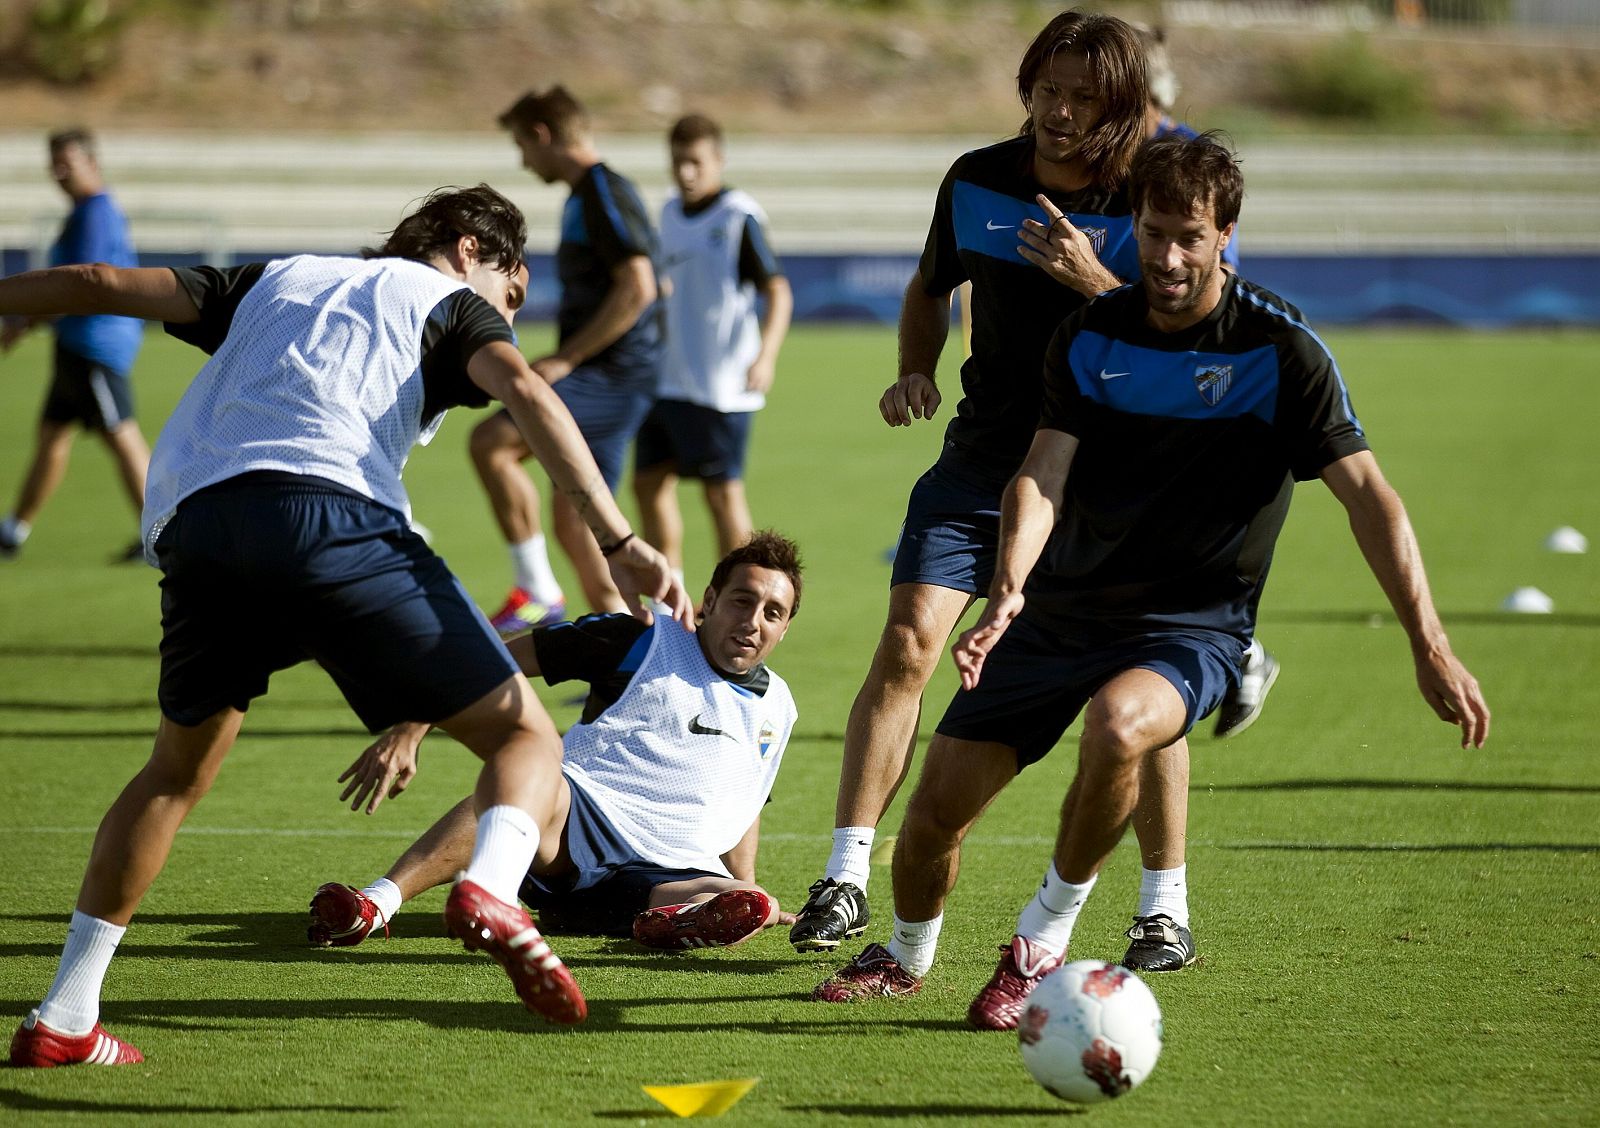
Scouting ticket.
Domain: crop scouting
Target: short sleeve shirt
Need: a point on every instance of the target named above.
(603, 224)
(1016, 306)
(1189, 446)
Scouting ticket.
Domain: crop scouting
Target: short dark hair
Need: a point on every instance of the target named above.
(77, 135)
(449, 213)
(1117, 58)
(764, 549)
(555, 109)
(1187, 175)
(695, 127)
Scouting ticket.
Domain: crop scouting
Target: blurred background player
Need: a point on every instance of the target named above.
(93, 354)
(279, 473)
(719, 360)
(1039, 224)
(606, 360)
(663, 779)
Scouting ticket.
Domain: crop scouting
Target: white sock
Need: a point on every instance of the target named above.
(914, 943)
(1254, 652)
(16, 531)
(851, 859)
(386, 895)
(507, 840)
(72, 1005)
(1049, 917)
(530, 565)
(1165, 891)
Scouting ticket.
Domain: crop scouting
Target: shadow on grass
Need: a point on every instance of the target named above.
(149, 731)
(1473, 618)
(937, 1111)
(32, 1102)
(72, 650)
(1428, 848)
(1401, 785)
(606, 1016)
(16, 705)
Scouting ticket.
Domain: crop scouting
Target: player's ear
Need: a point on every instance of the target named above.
(1226, 236)
(467, 249)
(708, 601)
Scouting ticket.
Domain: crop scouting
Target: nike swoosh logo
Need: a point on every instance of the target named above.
(1104, 375)
(701, 730)
(993, 226)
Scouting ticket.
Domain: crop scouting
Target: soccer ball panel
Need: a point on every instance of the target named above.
(1091, 1031)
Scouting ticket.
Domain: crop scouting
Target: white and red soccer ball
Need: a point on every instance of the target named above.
(1091, 1031)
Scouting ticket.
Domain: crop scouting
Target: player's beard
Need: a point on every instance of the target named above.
(1195, 288)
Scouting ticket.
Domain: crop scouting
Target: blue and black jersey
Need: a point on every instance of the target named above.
(604, 223)
(605, 651)
(1016, 306)
(1189, 447)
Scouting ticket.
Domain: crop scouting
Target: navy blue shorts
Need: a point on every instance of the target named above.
(1042, 672)
(609, 884)
(87, 393)
(697, 441)
(952, 527)
(259, 575)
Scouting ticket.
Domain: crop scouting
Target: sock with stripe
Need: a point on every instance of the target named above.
(1049, 917)
(915, 942)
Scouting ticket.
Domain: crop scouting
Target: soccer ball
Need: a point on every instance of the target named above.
(1091, 1031)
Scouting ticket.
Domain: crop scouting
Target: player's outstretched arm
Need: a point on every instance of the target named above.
(152, 293)
(924, 325)
(1383, 531)
(1028, 511)
(548, 428)
(386, 768)
(1064, 253)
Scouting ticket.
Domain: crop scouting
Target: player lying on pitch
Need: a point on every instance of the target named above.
(654, 830)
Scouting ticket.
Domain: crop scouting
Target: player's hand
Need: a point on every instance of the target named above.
(974, 645)
(760, 376)
(552, 368)
(1453, 694)
(639, 570)
(385, 769)
(1063, 252)
(912, 396)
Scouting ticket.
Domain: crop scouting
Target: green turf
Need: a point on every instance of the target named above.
(1392, 930)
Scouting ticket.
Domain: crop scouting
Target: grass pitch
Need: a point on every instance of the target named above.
(1391, 929)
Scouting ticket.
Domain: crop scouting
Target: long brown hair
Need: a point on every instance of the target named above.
(1117, 59)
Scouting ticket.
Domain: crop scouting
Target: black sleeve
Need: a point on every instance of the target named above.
(757, 264)
(460, 325)
(941, 267)
(591, 649)
(216, 292)
(1062, 407)
(1315, 418)
(614, 216)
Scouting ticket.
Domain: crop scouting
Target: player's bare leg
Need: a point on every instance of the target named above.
(958, 781)
(516, 800)
(878, 743)
(730, 514)
(579, 543)
(498, 451)
(130, 849)
(132, 456)
(1160, 939)
(655, 489)
(51, 454)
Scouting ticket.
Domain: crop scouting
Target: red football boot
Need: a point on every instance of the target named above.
(341, 917)
(725, 919)
(483, 922)
(1000, 1004)
(874, 974)
(36, 1046)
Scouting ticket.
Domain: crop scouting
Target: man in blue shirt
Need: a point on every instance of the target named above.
(93, 354)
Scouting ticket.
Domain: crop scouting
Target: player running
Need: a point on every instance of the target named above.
(279, 474)
(655, 826)
(1177, 415)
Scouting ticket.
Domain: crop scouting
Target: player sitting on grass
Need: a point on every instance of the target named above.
(663, 781)
(278, 475)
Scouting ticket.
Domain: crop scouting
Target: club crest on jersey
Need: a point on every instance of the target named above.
(766, 739)
(1097, 237)
(1213, 382)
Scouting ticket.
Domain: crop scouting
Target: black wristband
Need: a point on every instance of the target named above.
(612, 550)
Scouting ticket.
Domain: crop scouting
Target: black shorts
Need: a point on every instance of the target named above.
(1042, 672)
(258, 576)
(696, 441)
(952, 527)
(87, 393)
(609, 883)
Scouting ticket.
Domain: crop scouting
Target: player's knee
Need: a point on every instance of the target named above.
(1118, 731)
(487, 444)
(909, 651)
